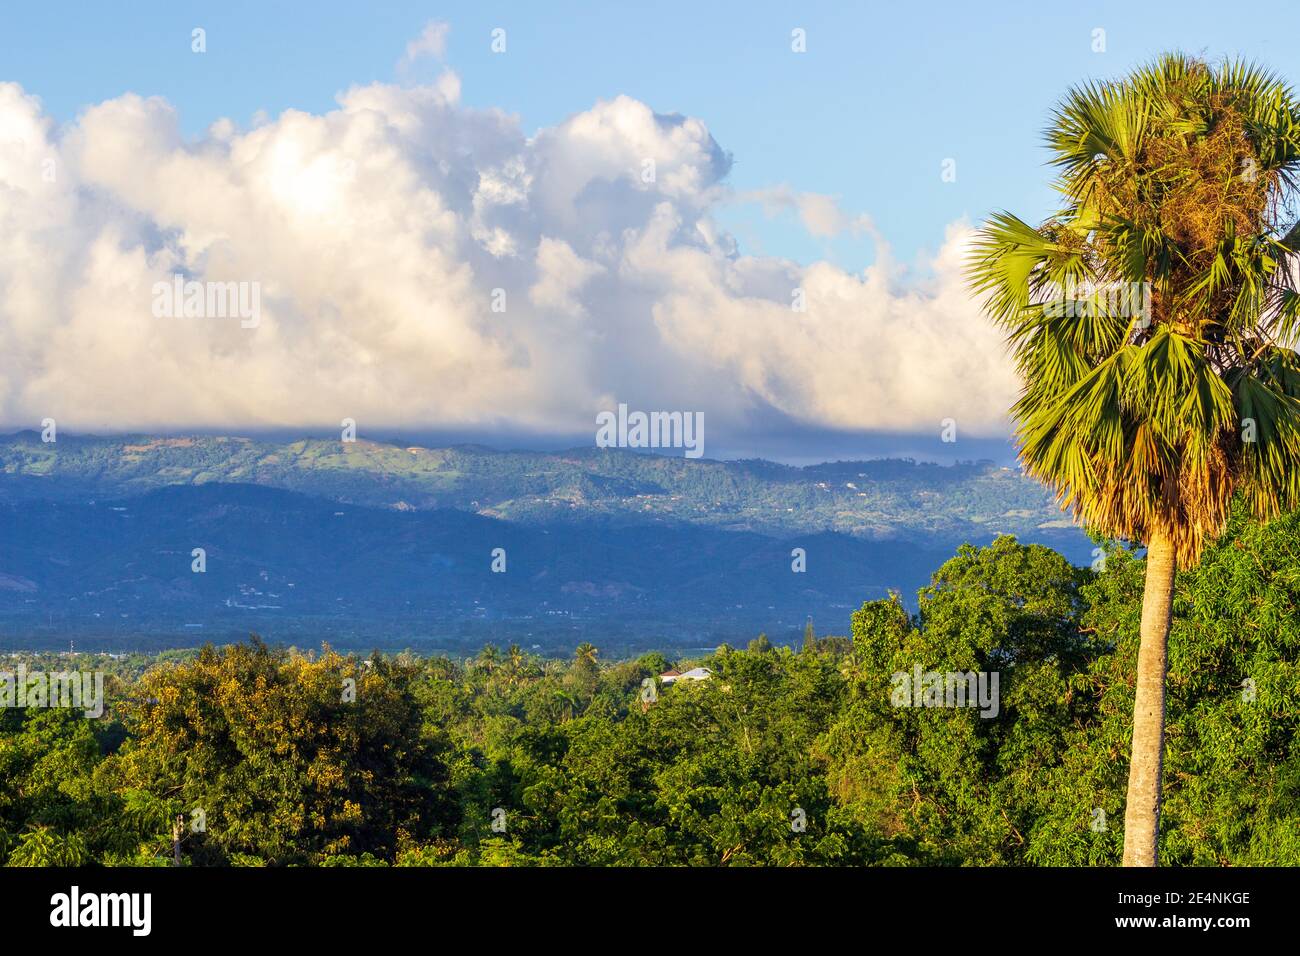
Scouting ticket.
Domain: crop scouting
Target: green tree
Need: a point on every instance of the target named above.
(584, 675)
(1149, 320)
(48, 805)
(489, 659)
(287, 758)
(809, 636)
(960, 785)
(1233, 751)
(516, 664)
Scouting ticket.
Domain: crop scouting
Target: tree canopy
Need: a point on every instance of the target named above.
(781, 757)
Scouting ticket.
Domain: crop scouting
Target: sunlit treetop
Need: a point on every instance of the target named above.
(1152, 317)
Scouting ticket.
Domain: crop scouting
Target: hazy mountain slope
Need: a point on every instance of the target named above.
(117, 573)
(868, 499)
(381, 545)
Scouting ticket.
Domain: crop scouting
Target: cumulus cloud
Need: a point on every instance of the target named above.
(820, 214)
(432, 41)
(424, 264)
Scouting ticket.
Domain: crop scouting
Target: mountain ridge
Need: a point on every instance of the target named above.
(382, 544)
(872, 498)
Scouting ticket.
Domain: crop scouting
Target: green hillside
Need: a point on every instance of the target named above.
(870, 499)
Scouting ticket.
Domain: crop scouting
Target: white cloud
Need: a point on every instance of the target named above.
(820, 214)
(431, 42)
(378, 233)
(561, 273)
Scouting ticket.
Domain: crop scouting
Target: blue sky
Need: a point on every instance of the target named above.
(378, 208)
(885, 92)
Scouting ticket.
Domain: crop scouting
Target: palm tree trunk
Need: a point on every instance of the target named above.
(1142, 813)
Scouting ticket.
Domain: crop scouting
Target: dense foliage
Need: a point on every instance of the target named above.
(782, 757)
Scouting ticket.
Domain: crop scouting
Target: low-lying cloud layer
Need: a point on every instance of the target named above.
(422, 264)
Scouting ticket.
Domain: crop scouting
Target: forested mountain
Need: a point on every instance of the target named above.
(881, 498)
(374, 545)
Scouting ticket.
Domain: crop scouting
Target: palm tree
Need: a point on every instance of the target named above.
(585, 655)
(1151, 320)
(516, 664)
(488, 659)
(568, 703)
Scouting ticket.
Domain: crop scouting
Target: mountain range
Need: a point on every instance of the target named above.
(384, 544)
